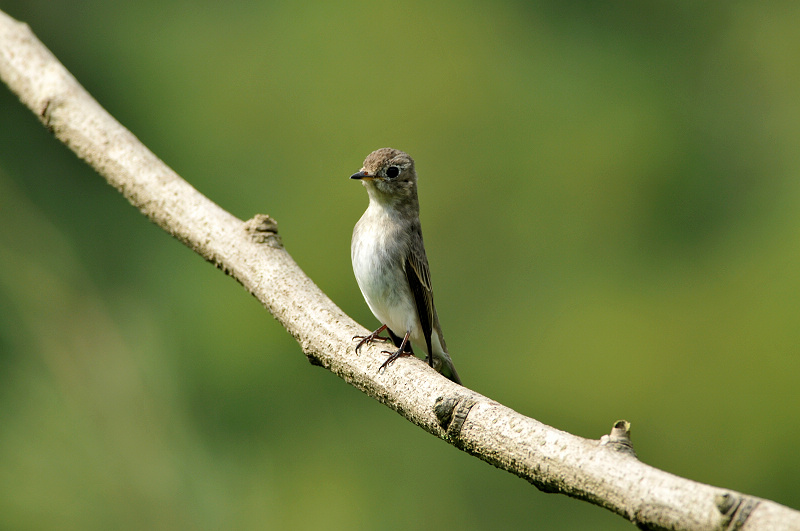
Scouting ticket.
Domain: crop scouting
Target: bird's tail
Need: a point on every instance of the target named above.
(443, 364)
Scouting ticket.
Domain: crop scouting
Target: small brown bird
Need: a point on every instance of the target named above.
(390, 264)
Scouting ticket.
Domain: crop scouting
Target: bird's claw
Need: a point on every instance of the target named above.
(369, 338)
(399, 353)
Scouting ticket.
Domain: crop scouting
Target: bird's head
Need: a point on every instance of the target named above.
(388, 175)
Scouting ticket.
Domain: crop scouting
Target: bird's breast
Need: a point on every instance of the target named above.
(378, 255)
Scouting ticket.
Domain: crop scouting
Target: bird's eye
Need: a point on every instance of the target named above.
(392, 171)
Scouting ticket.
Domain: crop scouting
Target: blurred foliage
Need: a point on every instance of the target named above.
(611, 209)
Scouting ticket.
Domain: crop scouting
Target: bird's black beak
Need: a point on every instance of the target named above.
(362, 175)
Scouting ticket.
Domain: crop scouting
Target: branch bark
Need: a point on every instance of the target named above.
(605, 472)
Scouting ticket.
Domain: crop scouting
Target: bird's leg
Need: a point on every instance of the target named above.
(371, 337)
(399, 340)
(399, 353)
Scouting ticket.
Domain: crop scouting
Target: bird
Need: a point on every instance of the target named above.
(390, 263)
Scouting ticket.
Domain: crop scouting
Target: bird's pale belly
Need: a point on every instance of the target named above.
(388, 296)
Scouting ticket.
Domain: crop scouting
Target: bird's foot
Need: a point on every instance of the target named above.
(365, 340)
(399, 353)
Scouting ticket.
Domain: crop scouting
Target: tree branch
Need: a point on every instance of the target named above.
(605, 472)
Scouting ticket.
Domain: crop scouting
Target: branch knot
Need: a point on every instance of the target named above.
(735, 509)
(620, 438)
(451, 413)
(264, 229)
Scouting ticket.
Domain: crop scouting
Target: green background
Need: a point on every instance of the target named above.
(611, 207)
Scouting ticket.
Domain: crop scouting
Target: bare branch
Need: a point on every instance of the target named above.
(604, 472)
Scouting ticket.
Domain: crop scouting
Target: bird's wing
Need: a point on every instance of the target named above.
(419, 280)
